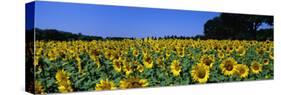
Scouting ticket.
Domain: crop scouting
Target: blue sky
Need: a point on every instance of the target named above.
(117, 21)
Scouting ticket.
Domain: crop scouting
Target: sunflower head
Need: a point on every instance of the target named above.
(65, 88)
(96, 60)
(95, 52)
(160, 61)
(260, 51)
(62, 75)
(220, 54)
(127, 68)
(135, 52)
(208, 60)
(116, 55)
(175, 68)
(266, 61)
(38, 87)
(105, 85)
(200, 73)
(271, 55)
(267, 48)
(108, 54)
(230, 49)
(256, 67)
(52, 54)
(228, 66)
(133, 82)
(242, 70)
(168, 54)
(140, 68)
(180, 51)
(117, 64)
(148, 61)
(64, 84)
(241, 50)
(157, 49)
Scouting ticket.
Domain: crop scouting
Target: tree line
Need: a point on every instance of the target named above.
(240, 27)
(53, 34)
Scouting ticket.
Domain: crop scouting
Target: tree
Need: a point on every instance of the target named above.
(214, 28)
(235, 26)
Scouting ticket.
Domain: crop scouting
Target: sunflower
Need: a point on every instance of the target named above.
(175, 68)
(271, 55)
(52, 54)
(220, 54)
(160, 62)
(105, 85)
(260, 51)
(156, 48)
(241, 50)
(117, 64)
(38, 87)
(266, 61)
(256, 68)
(127, 68)
(200, 73)
(267, 48)
(95, 52)
(133, 82)
(135, 52)
(61, 75)
(168, 54)
(208, 60)
(228, 66)
(180, 51)
(64, 84)
(116, 55)
(108, 54)
(96, 60)
(204, 49)
(148, 61)
(174, 50)
(140, 68)
(230, 49)
(242, 70)
(65, 87)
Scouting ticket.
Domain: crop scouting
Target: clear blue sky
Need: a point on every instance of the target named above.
(117, 21)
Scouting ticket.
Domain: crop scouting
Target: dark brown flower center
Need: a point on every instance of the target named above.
(265, 61)
(228, 65)
(242, 71)
(201, 73)
(118, 64)
(135, 85)
(256, 67)
(207, 61)
(177, 67)
(136, 52)
(128, 67)
(95, 52)
(148, 59)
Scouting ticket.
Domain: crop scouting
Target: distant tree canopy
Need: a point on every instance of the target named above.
(52, 34)
(239, 26)
(57, 35)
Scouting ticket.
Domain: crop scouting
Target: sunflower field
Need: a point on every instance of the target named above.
(67, 66)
